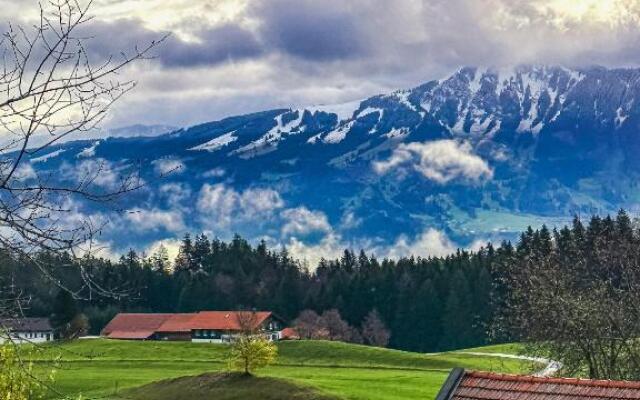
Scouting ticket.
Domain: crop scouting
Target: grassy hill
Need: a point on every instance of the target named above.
(107, 368)
(224, 386)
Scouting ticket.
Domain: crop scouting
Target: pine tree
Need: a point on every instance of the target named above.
(427, 317)
(457, 322)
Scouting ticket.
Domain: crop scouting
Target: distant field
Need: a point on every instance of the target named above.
(104, 368)
(509, 348)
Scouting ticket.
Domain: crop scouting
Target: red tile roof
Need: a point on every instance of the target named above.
(289, 333)
(134, 325)
(225, 320)
(472, 385)
(177, 323)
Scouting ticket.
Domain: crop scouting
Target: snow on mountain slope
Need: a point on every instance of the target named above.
(547, 142)
(217, 143)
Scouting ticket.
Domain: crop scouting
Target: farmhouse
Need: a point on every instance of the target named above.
(473, 385)
(26, 330)
(202, 327)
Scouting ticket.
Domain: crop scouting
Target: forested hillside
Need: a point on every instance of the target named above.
(429, 304)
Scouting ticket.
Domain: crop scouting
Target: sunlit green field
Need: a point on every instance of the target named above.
(106, 368)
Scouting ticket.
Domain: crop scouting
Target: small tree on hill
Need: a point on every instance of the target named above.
(249, 353)
(250, 350)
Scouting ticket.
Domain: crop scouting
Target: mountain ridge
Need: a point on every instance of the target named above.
(474, 156)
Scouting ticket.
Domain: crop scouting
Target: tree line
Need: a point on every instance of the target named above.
(421, 304)
(426, 304)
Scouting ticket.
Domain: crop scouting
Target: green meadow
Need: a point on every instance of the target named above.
(110, 369)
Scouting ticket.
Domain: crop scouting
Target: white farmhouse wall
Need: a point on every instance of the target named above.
(28, 337)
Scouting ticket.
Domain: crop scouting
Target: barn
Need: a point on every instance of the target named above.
(201, 327)
(475, 385)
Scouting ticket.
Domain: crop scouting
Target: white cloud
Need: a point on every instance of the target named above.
(167, 166)
(225, 204)
(430, 243)
(330, 247)
(303, 221)
(349, 220)
(214, 173)
(153, 220)
(256, 201)
(441, 161)
(175, 193)
(97, 248)
(171, 245)
(97, 171)
(477, 244)
(25, 172)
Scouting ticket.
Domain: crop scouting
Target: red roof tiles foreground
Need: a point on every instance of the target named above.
(471, 385)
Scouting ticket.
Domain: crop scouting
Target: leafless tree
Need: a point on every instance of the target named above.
(50, 88)
(374, 331)
(336, 327)
(248, 322)
(307, 324)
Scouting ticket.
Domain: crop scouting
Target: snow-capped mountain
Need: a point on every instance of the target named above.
(478, 155)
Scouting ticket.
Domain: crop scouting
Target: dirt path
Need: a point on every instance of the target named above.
(551, 368)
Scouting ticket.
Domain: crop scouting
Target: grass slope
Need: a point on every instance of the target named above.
(224, 386)
(106, 368)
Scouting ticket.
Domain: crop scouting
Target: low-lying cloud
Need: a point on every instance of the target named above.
(440, 161)
(225, 205)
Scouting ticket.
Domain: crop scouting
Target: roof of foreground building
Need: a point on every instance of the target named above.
(475, 385)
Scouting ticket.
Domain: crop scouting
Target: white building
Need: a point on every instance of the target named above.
(26, 330)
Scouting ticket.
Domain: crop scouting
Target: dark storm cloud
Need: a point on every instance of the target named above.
(214, 45)
(219, 44)
(312, 30)
(305, 52)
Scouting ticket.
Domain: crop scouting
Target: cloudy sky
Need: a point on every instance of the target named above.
(235, 56)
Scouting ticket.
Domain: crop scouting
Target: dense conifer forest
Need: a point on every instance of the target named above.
(428, 304)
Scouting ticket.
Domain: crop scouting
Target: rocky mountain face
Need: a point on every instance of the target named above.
(477, 156)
